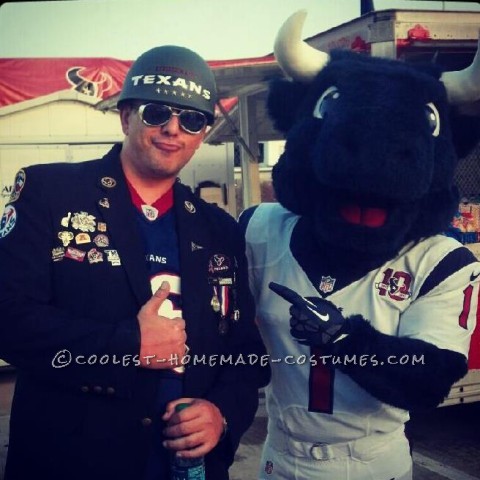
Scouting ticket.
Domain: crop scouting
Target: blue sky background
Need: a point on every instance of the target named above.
(217, 29)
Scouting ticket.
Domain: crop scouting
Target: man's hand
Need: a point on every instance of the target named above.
(195, 430)
(162, 339)
(314, 321)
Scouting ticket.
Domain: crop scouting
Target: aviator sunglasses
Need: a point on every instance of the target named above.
(157, 115)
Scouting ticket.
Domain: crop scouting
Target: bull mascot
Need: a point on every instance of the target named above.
(365, 306)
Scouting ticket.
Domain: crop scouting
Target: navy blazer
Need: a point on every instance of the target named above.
(93, 418)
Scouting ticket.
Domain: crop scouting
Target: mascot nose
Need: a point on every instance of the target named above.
(357, 162)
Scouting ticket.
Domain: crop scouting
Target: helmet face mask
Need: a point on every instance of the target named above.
(174, 76)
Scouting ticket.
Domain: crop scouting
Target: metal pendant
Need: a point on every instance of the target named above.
(215, 303)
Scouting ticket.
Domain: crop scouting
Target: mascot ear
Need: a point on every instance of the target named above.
(284, 97)
(465, 127)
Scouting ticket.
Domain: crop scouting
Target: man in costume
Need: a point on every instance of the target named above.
(109, 269)
(365, 307)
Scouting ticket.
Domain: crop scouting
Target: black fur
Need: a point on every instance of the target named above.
(374, 148)
(422, 385)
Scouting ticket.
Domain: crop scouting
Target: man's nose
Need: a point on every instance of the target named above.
(172, 127)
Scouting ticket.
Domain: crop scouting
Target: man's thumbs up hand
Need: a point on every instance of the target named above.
(153, 305)
(162, 339)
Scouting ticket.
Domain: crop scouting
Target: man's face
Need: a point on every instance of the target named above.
(156, 152)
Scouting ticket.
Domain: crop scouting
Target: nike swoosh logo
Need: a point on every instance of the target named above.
(323, 318)
(473, 276)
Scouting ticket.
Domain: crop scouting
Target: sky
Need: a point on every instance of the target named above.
(216, 29)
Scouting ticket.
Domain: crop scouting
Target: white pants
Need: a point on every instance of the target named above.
(377, 457)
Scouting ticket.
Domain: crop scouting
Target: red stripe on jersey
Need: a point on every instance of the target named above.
(162, 204)
(474, 354)
(321, 384)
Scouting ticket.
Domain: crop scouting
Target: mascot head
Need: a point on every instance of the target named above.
(370, 145)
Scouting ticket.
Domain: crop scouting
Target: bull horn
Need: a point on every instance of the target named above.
(463, 86)
(297, 59)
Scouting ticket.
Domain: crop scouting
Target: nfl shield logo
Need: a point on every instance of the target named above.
(268, 467)
(327, 284)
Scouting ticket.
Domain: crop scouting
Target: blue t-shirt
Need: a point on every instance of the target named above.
(158, 230)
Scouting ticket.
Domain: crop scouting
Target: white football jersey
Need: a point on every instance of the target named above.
(389, 297)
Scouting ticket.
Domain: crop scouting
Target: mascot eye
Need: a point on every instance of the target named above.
(433, 119)
(325, 102)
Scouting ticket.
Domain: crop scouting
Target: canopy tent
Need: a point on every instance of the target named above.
(24, 79)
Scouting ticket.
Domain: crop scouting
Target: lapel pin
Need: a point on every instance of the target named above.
(195, 246)
(94, 256)
(82, 238)
(83, 221)
(151, 213)
(57, 254)
(113, 257)
(190, 207)
(108, 182)
(103, 202)
(65, 237)
(65, 220)
(75, 254)
(101, 240)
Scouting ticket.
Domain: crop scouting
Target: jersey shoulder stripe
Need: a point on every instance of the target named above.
(451, 263)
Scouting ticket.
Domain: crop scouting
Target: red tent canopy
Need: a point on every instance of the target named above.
(26, 78)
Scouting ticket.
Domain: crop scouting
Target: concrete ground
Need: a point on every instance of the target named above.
(446, 440)
(247, 458)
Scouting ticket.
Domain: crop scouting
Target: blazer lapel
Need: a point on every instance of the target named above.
(194, 247)
(117, 209)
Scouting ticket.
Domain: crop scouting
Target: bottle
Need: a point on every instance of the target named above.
(186, 468)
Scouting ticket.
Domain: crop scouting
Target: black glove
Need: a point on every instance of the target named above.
(314, 321)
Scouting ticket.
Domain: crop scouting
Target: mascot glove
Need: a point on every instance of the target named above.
(314, 321)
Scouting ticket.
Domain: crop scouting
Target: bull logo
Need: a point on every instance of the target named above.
(218, 263)
(78, 78)
(219, 259)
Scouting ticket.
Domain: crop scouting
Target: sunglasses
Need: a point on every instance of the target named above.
(157, 114)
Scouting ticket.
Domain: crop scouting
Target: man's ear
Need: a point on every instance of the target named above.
(125, 112)
(202, 135)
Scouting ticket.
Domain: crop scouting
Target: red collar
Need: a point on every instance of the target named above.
(162, 204)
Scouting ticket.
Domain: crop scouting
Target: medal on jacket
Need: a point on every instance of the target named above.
(215, 302)
(235, 316)
(220, 277)
(221, 293)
